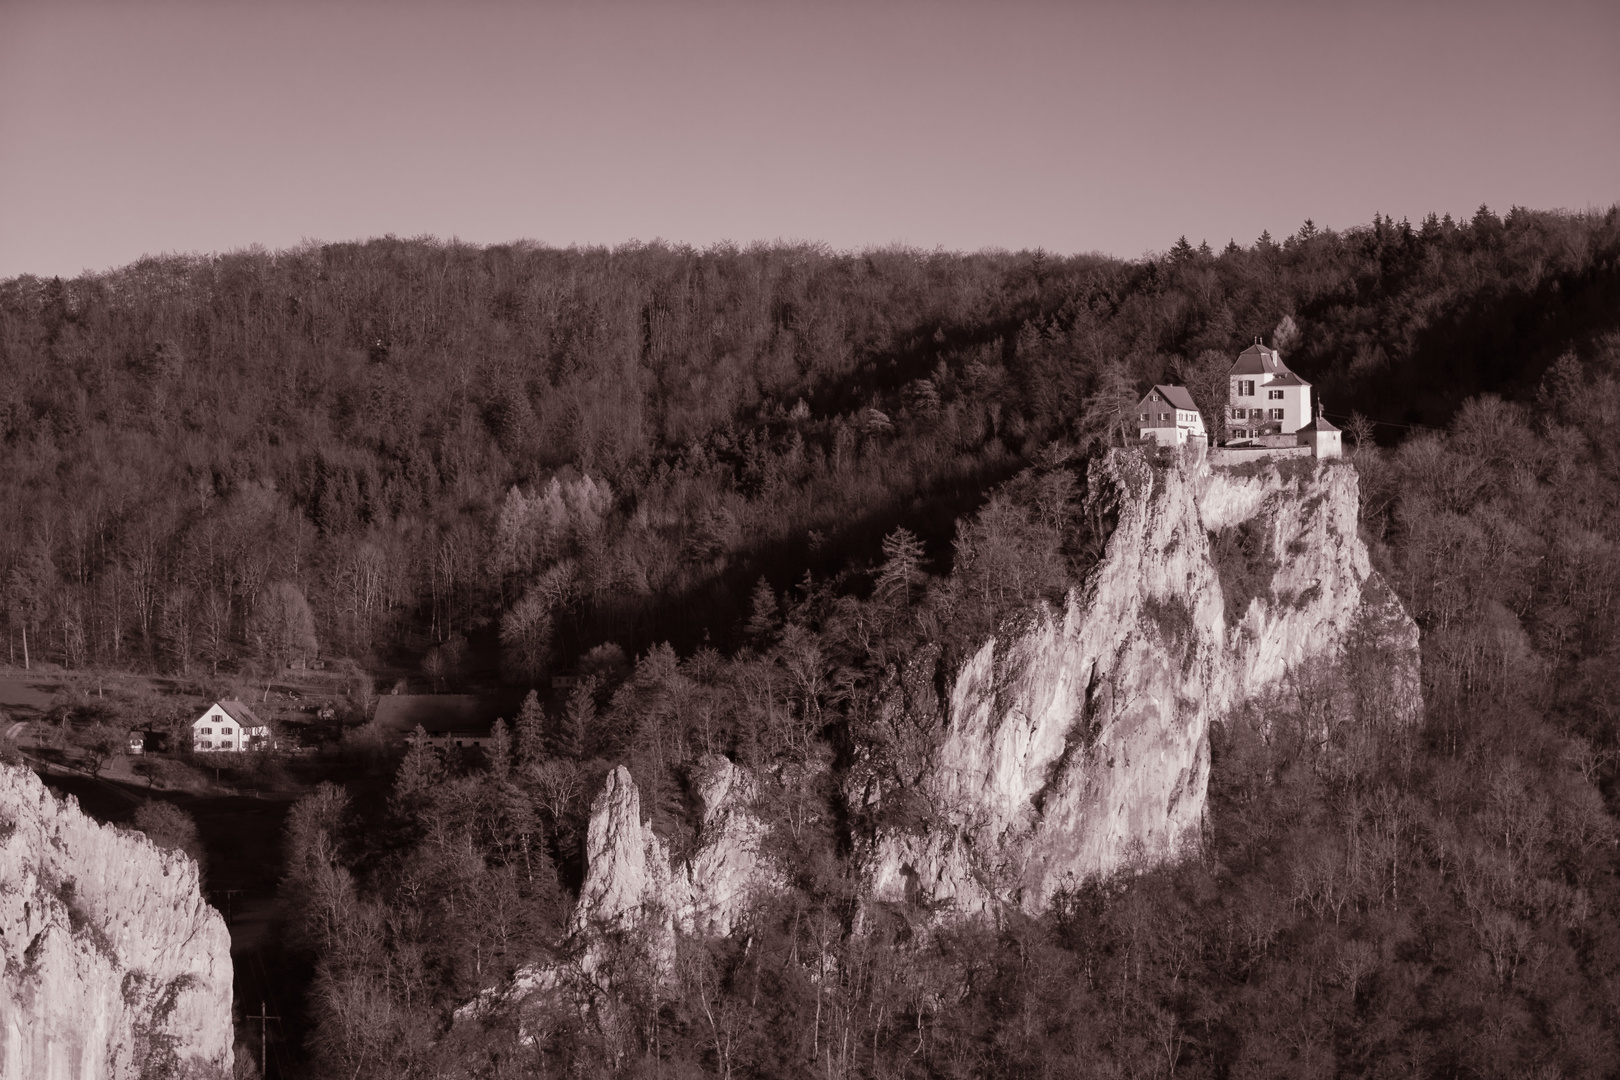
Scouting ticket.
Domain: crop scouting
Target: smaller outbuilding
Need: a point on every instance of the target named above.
(1323, 438)
(136, 743)
(1169, 416)
(229, 726)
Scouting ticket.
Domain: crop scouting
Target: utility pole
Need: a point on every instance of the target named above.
(263, 1018)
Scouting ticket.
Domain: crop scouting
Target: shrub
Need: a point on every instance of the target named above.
(171, 829)
(1244, 563)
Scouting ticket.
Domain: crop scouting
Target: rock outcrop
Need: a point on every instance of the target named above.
(631, 879)
(1069, 746)
(1081, 742)
(636, 895)
(114, 966)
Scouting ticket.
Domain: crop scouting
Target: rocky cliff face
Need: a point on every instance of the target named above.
(631, 879)
(114, 965)
(1081, 742)
(636, 895)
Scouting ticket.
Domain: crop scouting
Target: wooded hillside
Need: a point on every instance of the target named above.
(429, 445)
(477, 464)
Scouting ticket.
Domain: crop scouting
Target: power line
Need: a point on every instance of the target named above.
(1381, 423)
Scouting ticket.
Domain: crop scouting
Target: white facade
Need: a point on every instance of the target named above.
(218, 730)
(1168, 416)
(1323, 438)
(1264, 398)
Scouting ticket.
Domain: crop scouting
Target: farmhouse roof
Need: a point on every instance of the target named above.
(1177, 396)
(239, 712)
(401, 713)
(1259, 360)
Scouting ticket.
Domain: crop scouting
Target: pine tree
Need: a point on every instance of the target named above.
(531, 731)
(419, 774)
(500, 751)
(764, 620)
(902, 567)
(579, 716)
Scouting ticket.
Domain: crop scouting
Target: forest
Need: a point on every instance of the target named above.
(734, 489)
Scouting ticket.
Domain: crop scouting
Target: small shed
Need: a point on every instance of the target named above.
(1325, 440)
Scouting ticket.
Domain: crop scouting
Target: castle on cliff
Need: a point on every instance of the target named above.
(1268, 407)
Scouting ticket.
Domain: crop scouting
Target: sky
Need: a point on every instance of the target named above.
(141, 128)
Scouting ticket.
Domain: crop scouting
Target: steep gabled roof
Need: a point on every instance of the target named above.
(1287, 378)
(1319, 423)
(1177, 396)
(238, 711)
(1258, 360)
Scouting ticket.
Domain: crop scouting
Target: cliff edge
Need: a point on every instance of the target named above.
(114, 965)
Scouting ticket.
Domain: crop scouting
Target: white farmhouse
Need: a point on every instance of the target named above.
(1264, 398)
(1169, 416)
(229, 725)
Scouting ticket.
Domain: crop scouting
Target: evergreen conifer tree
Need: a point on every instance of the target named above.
(419, 774)
(531, 731)
(500, 751)
(574, 730)
(764, 621)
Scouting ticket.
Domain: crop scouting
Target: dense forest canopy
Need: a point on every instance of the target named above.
(752, 495)
(430, 443)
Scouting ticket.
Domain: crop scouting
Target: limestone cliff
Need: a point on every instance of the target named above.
(629, 871)
(636, 895)
(1081, 741)
(1068, 745)
(114, 965)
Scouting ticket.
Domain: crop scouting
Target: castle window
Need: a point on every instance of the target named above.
(1274, 395)
(1276, 414)
(1245, 388)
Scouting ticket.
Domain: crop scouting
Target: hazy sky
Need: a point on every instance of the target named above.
(137, 128)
